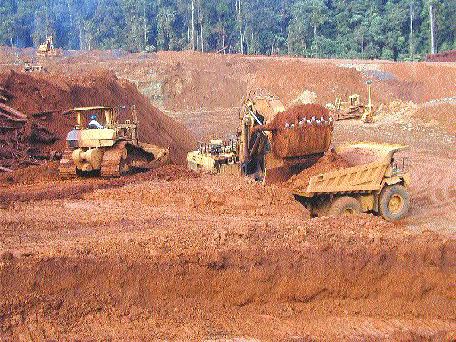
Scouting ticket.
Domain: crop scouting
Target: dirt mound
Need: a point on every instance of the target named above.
(55, 94)
(296, 113)
(438, 114)
(445, 56)
(331, 161)
(48, 172)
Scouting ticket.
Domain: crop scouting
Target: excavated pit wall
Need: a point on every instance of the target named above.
(408, 277)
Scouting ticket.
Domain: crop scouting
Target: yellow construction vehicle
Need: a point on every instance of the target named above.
(47, 49)
(100, 145)
(215, 157)
(268, 154)
(273, 154)
(378, 185)
(353, 108)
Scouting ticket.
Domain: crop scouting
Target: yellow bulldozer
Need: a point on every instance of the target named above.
(100, 145)
(216, 157)
(354, 108)
(47, 48)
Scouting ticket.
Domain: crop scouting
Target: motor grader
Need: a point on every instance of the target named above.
(109, 148)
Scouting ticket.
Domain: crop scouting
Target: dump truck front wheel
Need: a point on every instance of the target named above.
(344, 206)
(394, 202)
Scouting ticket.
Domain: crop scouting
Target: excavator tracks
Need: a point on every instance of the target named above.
(114, 163)
(67, 168)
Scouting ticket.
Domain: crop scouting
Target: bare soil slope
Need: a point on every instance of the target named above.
(40, 92)
(215, 257)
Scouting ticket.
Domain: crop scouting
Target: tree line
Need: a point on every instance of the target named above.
(387, 29)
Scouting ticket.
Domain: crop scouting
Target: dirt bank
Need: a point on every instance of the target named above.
(56, 94)
(215, 255)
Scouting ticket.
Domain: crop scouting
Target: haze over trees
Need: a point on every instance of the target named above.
(387, 29)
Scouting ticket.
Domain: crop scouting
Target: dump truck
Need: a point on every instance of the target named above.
(216, 157)
(375, 182)
(100, 145)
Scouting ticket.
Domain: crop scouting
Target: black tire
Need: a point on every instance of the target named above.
(344, 206)
(394, 202)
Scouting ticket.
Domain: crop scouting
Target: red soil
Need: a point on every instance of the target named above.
(440, 114)
(220, 255)
(329, 162)
(57, 93)
(445, 56)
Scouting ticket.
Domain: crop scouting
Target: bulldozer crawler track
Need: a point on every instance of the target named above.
(67, 167)
(112, 160)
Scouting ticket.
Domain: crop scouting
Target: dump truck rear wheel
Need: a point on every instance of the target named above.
(344, 206)
(394, 202)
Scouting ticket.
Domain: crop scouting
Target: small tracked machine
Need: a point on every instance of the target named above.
(109, 148)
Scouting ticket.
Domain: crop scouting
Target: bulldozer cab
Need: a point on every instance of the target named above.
(354, 100)
(105, 116)
(99, 126)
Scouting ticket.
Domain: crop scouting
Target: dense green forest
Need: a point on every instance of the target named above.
(388, 29)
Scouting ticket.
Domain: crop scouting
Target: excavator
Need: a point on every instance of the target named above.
(101, 145)
(265, 150)
(272, 147)
(275, 146)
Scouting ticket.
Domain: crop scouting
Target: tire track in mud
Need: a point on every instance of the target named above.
(433, 190)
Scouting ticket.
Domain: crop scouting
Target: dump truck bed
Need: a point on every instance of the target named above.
(359, 178)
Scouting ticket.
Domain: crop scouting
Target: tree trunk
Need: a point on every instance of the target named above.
(193, 25)
(145, 26)
(81, 39)
(411, 31)
(70, 16)
(315, 40)
(431, 18)
(241, 36)
(202, 41)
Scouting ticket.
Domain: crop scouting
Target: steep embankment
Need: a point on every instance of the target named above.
(57, 93)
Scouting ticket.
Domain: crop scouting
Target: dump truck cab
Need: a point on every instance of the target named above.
(376, 182)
